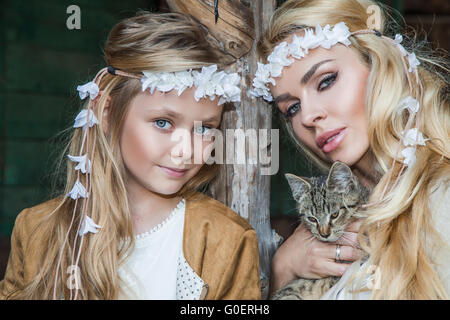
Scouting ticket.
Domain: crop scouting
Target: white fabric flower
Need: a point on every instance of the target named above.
(341, 33)
(81, 163)
(328, 36)
(205, 82)
(166, 82)
(209, 83)
(413, 62)
(262, 76)
(279, 59)
(81, 119)
(88, 225)
(231, 90)
(311, 40)
(88, 89)
(409, 103)
(149, 80)
(413, 137)
(398, 39)
(298, 48)
(410, 156)
(184, 80)
(78, 191)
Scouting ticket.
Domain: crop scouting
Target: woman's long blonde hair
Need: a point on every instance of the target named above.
(396, 229)
(158, 42)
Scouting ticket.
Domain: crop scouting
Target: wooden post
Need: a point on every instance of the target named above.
(241, 186)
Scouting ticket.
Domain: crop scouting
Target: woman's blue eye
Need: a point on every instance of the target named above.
(292, 110)
(163, 124)
(328, 81)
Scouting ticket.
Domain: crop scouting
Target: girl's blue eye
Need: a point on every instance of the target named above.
(327, 82)
(293, 109)
(163, 124)
(202, 130)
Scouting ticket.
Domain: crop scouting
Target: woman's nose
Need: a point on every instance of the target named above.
(310, 115)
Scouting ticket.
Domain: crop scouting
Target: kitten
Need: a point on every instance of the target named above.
(326, 205)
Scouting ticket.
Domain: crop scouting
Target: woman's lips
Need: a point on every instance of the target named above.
(177, 173)
(333, 140)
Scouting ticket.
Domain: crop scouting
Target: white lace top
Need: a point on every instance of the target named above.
(150, 271)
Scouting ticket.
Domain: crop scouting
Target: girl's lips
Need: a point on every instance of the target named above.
(334, 143)
(173, 172)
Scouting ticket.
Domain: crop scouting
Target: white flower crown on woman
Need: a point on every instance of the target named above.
(326, 37)
(298, 48)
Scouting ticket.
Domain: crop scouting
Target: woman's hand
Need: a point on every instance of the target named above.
(304, 256)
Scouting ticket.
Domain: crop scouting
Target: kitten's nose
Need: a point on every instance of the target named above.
(324, 231)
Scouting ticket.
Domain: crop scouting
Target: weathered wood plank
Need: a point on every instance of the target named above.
(242, 187)
(234, 28)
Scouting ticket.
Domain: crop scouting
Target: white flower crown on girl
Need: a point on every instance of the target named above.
(209, 83)
(327, 37)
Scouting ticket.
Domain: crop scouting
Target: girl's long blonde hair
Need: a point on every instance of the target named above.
(397, 228)
(157, 42)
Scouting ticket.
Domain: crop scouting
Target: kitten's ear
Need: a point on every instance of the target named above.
(341, 179)
(298, 185)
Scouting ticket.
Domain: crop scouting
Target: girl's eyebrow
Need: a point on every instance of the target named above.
(176, 115)
(167, 112)
(212, 119)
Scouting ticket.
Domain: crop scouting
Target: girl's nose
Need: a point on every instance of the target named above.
(182, 149)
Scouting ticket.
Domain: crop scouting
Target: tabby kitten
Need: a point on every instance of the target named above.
(325, 205)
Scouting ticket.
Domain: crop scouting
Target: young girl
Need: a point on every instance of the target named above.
(361, 96)
(130, 224)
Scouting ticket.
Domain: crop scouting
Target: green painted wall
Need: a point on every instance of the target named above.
(41, 64)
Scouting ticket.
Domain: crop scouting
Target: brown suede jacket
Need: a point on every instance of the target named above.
(219, 245)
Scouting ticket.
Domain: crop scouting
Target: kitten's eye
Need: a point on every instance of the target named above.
(335, 215)
(312, 219)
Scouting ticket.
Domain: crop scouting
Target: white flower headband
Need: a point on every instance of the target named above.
(326, 37)
(209, 83)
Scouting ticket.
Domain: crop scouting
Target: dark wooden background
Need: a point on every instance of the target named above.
(42, 62)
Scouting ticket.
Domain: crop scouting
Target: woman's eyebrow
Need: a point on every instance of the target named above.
(308, 75)
(282, 97)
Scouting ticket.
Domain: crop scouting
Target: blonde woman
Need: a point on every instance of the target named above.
(364, 97)
(130, 223)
